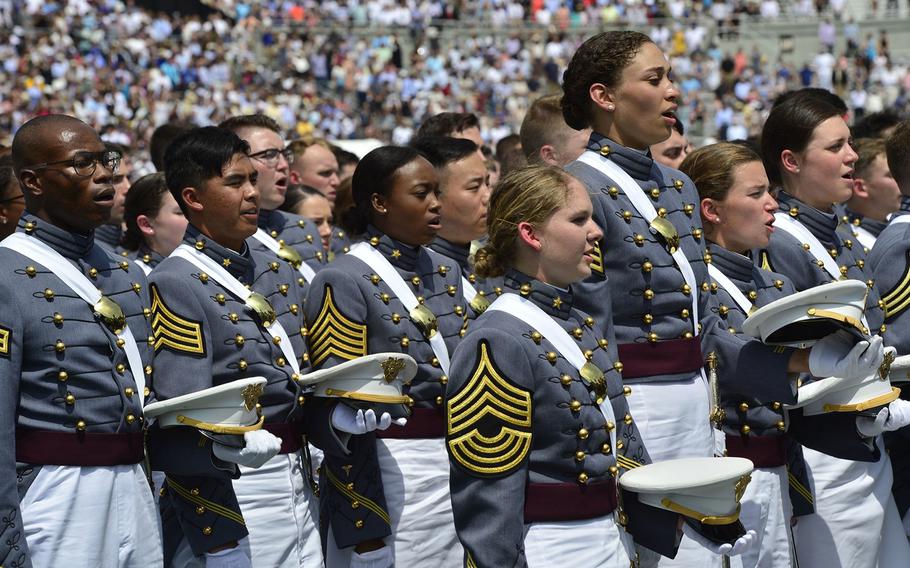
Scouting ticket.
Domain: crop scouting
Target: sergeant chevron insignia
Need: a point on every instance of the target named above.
(172, 331)
(333, 333)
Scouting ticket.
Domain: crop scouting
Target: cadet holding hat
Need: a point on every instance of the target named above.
(222, 311)
(806, 151)
(390, 293)
(539, 427)
(75, 361)
(652, 256)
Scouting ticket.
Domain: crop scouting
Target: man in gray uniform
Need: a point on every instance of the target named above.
(109, 234)
(74, 364)
(272, 160)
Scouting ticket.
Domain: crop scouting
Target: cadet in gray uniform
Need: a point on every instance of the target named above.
(271, 159)
(876, 194)
(537, 440)
(208, 333)
(155, 224)
(464, 195)
(806, 151)
(889, 263)
(75, 368)
(109, 235)
(390, 293)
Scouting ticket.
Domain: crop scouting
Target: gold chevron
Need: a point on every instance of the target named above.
(4, 341)
(333, 333)
(597, 265)
(354, 496)
(898, 298)
(504, 409)
(221, 510)
(627, 463)
(800, 488)
(171, 330)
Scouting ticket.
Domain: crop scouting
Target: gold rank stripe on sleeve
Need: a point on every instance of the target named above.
(597, 265)
(898, 298)
(5, 336)
(201, 501)
(354, 496)
(489, 421)
(173, 331)
(800, 488)
(333, 333)
(627, 463)
(469, 561)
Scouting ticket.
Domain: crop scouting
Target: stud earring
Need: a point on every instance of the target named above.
(609, 107)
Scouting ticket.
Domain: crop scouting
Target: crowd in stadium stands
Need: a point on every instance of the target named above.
(126, 70)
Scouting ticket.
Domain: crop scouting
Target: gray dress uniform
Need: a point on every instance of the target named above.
(68, 396)
(488, 289)
(651, 303)
(204, 336)
(352, 312)
(296, 232)
(146, 256)
(340, 243)
(108, 237)
(557, 462)
(889, 262)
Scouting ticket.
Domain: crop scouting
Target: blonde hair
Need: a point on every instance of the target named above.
(530, 194)
(711, 168)
(299, 146)
(867, 149)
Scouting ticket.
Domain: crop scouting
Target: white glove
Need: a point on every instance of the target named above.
(379, 558)
(259, 447)
(836, 356)
(894, 417)
(352, 421)
(741, 545)
(229, 558)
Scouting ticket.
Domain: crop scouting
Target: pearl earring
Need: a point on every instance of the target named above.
(609, 107)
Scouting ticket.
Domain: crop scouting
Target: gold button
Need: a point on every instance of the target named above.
(575, 405)
(120, 368)
(745, 429)
(723, 311)
(697, 234)
(358, 524)
(619, 445)
(146, 312)
(583, 434)
(627, 216)
(613, 470)
(647, 318)
(80, 425)
(610, 426)
(781, 426)
(605, 151)
(578, 333)
(580, 456)
(536, 337)
(566, 380)
(137, 287)
(396, 318)
(93, 273)
(242, 365)
(200, 510)
(203, 277)
(283, 289)
(655, 193)
(276, 340)
(62, 376)
(48, 294)
(603, 343)
(648, 294)
(59, 347)
(439, 401)
(652, 337)
(588, 354)
(128, 391)
(130, 418)
(583, 478)
(743, 407)
(405, 341)
(639, 240)
(661, 212)
(29, 227)
(120, 342)
(613, 191)
(686, 289)
(444, 379)
(385, 298)
(688, 335)
(301, 400)
(239, 340)
(442, 269)
(684, 314)
(775, 405)
(589, 321)
(434, 362)
(355, 503)
(688, 209)
(207, 531)
(415, 281)
(294, 309)
(678, 183)
(524, 290)
(623, 519)
(883, 328)
(70, 399)
(194, 491)
(647, 266)
(752, 295)
(605, 449)
(58, 318)
(627, 390)
(627, 418)
(551, 356)
(280, 361)
(618, 366)
(794, 211)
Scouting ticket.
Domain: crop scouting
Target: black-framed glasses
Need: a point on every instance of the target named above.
(270, 156)
(84, 163)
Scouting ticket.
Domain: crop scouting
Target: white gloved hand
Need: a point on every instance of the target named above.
(379, 558)
(741, 545)
(893, 417)
(259, 447)
(229, 558)
(836, 356)
(352, 421)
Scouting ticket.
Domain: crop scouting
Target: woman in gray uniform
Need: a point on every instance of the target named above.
(154, 222)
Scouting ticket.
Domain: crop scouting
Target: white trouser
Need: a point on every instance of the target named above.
(766, 509)
(281, 513)
(673, 421)
(855, 522)
(98, 516)
(415, 477)
(596, 542)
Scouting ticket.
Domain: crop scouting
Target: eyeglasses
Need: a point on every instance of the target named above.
(84, 163)
(270, 156)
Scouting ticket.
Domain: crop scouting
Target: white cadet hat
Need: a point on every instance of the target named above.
(230, 408)
(900, 369)
(373, 381)
(706, 490)
(800, 319)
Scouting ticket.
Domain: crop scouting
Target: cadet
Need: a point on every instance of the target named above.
(75, 359)
(316, 166)
(464, 196)
(545, 136)
(875, 192)
(738, 209)
(278, 230)
(538, 424)
(890, 265)
(652, 253)
(223, 310)
(109, 234)
(806, 151)
(155, 224)
(390, 293)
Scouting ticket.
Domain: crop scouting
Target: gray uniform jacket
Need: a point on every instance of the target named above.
(205, 336)
(488, 288)
(61, 370)
(146, 256)
(511, 384)
(108, 237)
(351, 312)
(340, 243)
(296, 232)
(650, 301)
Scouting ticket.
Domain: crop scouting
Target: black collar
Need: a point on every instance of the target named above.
(70, 245)
(239, 265)
(552, 300)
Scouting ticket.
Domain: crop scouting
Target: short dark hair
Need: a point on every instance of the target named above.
(143, 198)
(344, 157)
(509, 154)
(819, 93)
(162, 138)
(447, 124)
(443, 150)
(872, 125)
(790, 125)
(296, 195)
(199, 155)
(897, 147)
(600, 59)
(374, 174)
(237, 123)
